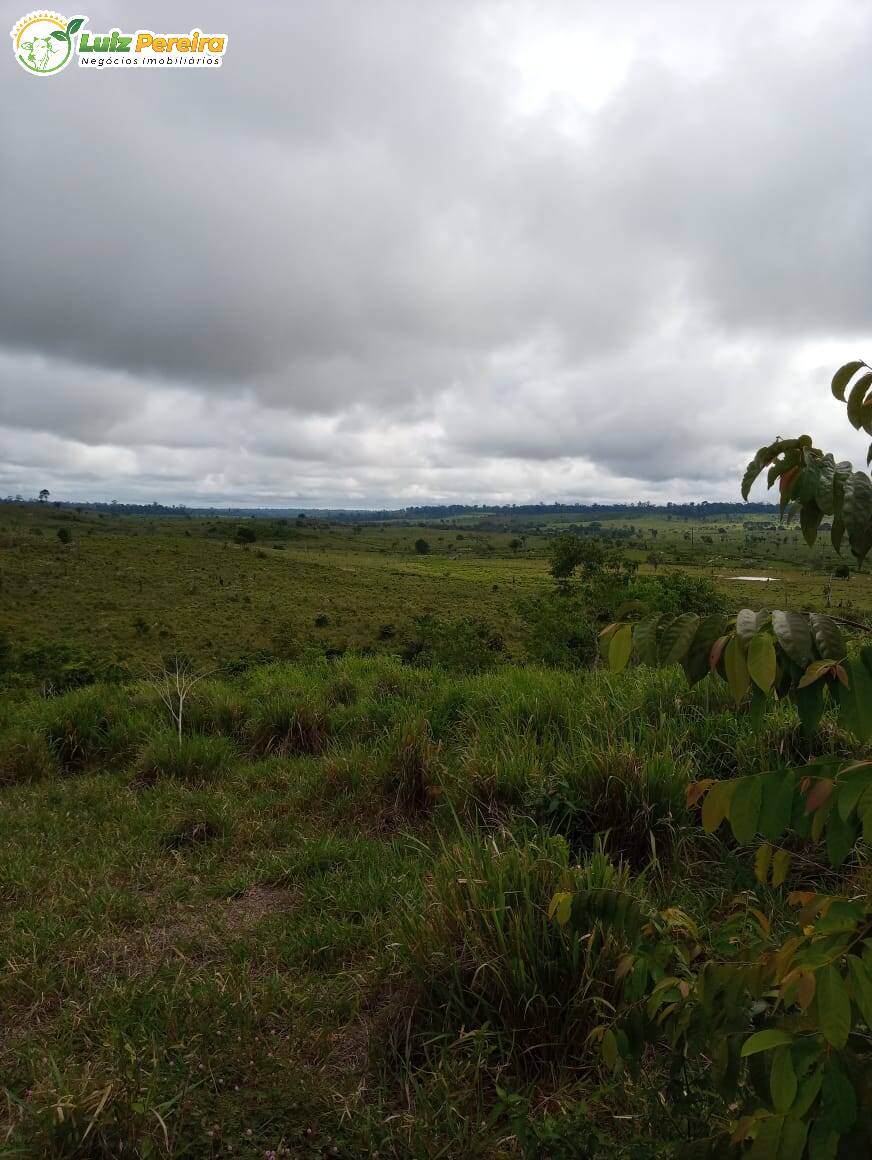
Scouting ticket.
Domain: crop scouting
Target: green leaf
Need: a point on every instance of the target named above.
(58, 35)
(857, 513)
(843, 376)
(696, 663)
(745, 809)
(861, 985)
(762, 862)
(823, 1142)
(824, 484)
(762, 459)
(810, 516)
(610, 1049)
(837, 533)
(814, 672)
(782, 1080)
(809, 701)
(827, 637)
(793, 634)
(736, 668)
(766, 1040)
(841, 836)
(762, 662)
(677, 636)
(852, 784)
(855, 400)
(645, 639)
(777, 806)
(838, 1098)
(834, 1007)
(717, 804)
(780, 867)
(75, 24)
(855, 702)
(620, 647)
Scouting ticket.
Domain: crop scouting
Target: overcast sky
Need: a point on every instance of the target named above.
(397, 252)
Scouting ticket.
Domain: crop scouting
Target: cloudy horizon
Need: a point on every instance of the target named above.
(393, 254)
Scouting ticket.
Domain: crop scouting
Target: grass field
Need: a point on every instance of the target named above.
(316, 924)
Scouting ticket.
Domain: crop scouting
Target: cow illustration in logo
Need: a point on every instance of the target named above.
(43, 41)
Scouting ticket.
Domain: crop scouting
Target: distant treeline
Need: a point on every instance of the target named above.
(431, 512)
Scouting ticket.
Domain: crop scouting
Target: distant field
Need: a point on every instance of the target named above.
(134, 588)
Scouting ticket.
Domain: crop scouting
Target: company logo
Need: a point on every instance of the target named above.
(44, 43)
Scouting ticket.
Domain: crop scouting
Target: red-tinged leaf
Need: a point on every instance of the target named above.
(717, 651)
(696, 789)
(818, 795)
(805, 989)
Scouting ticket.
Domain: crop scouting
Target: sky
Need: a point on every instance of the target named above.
(400, 252)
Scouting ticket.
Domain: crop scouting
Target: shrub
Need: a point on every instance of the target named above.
(422, 547)
(25, 756)
(65, 535)
(245, 535)
(198, 758)
(462, 645)
(215, 708)
(559, 631)
(93, 724)
(322, 620)
(408, 765)
(485, 955)
(288, 726)
(633, 806)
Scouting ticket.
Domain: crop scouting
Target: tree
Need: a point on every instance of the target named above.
(812, 482)
(777, 1009)
(422, 547)
(569, 552)
(44, 494)
(65, 535)
(515, 545)
(245, 535)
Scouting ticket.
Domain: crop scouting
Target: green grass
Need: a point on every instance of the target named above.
(320, 921)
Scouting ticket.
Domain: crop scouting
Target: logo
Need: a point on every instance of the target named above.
(43, 41)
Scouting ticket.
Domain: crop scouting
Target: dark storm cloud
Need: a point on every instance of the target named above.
(362, 262)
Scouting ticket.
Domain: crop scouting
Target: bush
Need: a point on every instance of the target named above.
(287, 726)
(215, 708)
(632, 805)
(407, 767)
(463, 645)
(485, 954)
(90, 725)
(245, 535)
(559, 631)
(422, 547)
(25, 756)
(65, 535)
(197, 758)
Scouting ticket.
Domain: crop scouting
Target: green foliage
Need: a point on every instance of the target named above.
(245, 534)
(287, 725)
(25, 755)
(485, 955)
(422, 546)
(559, 629)
(463, 644)
(814, 483)
(196, 758)
(569, 552)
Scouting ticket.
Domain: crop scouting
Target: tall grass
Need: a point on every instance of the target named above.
(485, 956)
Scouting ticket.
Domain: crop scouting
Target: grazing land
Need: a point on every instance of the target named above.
(308, 915)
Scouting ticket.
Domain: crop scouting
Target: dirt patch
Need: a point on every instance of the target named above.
(193, 934)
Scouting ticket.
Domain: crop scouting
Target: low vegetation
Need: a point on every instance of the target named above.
(592, 881)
